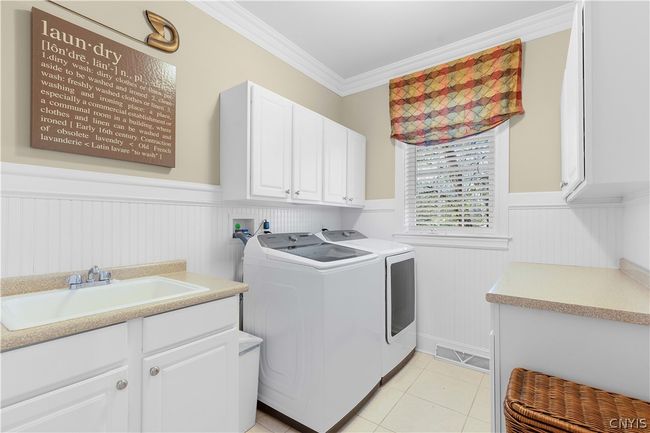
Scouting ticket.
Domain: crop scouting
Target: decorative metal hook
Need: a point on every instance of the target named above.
(158, 39)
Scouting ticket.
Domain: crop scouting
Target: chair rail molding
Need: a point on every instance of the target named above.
(553, 199)
(36, 181)
(245, 23)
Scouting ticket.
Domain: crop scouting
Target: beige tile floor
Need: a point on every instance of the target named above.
(427, 395)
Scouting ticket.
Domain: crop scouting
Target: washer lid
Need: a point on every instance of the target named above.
(310, 247)
(357, 240)
(324, 252)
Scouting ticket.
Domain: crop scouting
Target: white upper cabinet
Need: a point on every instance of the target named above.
(571, 113)
(335, 163)
(605, 108)
(272, 149)
(356, 169)
(270, 144)
(307, 155)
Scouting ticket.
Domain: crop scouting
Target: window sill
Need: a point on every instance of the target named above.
(454, 240)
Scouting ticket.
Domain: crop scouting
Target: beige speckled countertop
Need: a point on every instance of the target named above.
(593, 292)
(217, 289)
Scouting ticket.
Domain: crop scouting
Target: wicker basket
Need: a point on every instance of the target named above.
(536, 402)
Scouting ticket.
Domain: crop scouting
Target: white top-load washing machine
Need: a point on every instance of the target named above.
(398, 293)
(318, 308)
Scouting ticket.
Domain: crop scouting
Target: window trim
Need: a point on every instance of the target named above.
(494, 238)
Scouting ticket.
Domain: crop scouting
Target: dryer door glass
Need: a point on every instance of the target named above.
(401, 289)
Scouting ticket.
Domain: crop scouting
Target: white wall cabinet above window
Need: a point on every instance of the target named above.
(275, 150)
(604, 104)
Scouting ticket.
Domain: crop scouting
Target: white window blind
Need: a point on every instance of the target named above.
(451, 185)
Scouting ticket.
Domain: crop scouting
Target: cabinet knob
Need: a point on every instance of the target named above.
(563, 184)
(121, 384)
(345, 199)
(350, 199)
(154, 371)
(287, 191)
(297, 193)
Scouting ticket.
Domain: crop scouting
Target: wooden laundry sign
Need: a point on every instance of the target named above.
(94, 96)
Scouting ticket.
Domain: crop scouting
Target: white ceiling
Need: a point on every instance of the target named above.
(353, 37)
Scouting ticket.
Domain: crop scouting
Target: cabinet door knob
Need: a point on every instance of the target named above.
(345, 199)
(121, 384)
(297, 193)
(350, 199)
(287, 191)
(154, 371)
(563, 184)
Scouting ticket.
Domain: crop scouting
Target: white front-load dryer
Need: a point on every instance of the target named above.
(398, 289)
(318, 308)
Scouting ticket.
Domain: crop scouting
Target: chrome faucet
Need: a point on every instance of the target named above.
(95, 277)
(92, 272)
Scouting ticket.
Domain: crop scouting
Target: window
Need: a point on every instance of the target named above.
(456, 188)
(451, 185)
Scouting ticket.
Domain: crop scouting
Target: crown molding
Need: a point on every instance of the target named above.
(527, 29)
(239, 19)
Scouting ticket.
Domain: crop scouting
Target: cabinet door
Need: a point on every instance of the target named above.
(92, 405)
(192, 388)
(307, 155)
(356, 169)
(270, 144)
(335, 163)
(571, 111)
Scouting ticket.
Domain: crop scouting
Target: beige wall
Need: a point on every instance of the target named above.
(534, 137)
(367, 113)
(211, 58)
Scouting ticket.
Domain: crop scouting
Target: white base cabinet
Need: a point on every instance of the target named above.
(274, 150)
(176, 371)
(189, 388)
(604, 354)
(92, 405)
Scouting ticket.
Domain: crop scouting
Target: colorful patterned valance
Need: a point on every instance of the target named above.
(459, 98)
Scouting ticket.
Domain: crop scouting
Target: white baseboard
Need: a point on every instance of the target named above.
(427, 343)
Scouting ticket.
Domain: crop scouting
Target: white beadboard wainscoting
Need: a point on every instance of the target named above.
(636, 229)
(452, 281)
(57, 220)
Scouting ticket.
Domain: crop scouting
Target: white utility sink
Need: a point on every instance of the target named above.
(35, 309)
